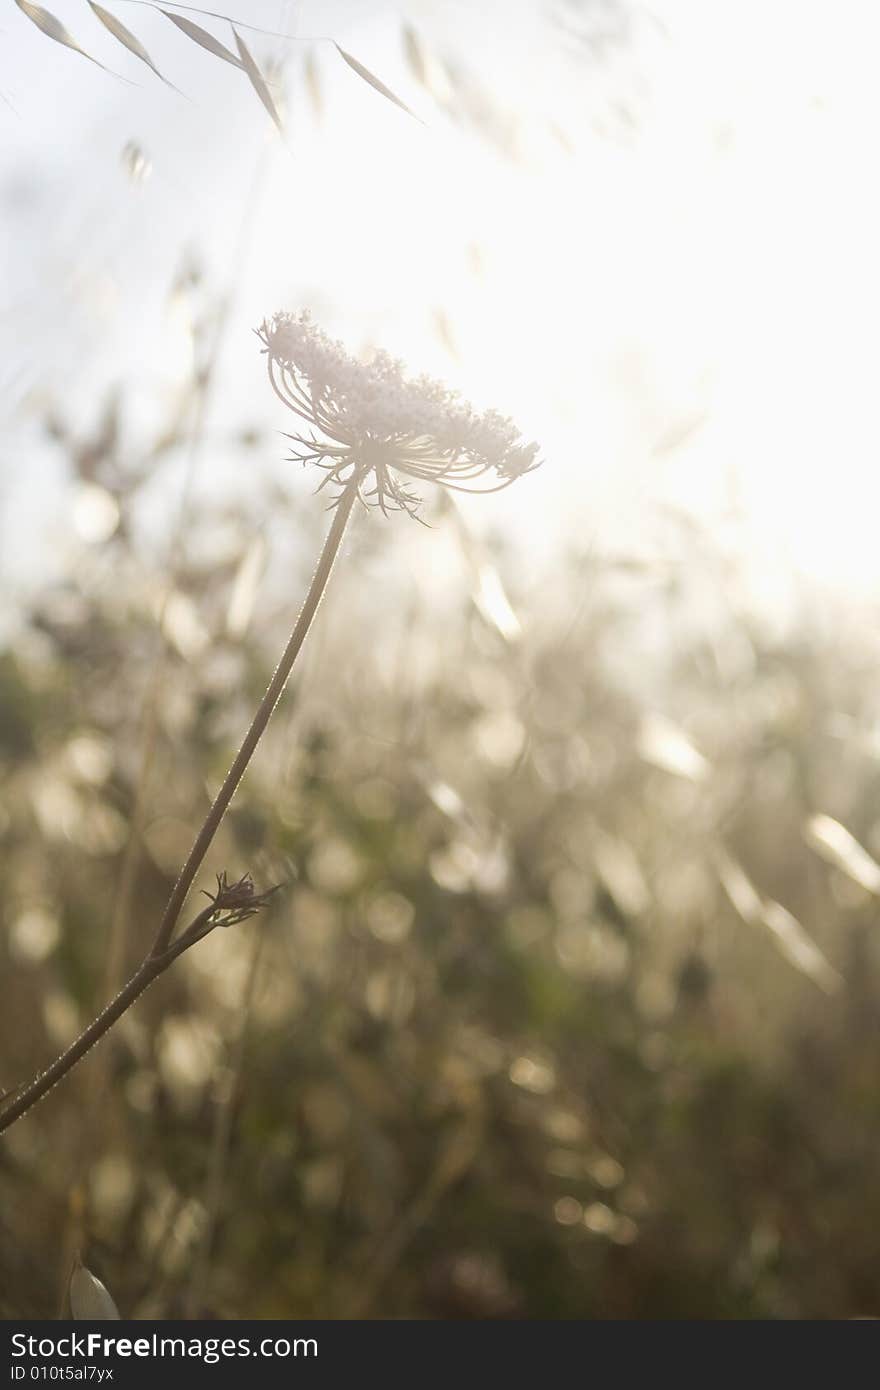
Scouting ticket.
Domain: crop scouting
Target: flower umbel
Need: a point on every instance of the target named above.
(372, 426)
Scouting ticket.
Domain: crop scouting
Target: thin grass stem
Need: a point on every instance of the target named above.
(164, 951)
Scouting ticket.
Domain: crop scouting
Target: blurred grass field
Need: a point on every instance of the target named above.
(567, 1003)
(523, 1034)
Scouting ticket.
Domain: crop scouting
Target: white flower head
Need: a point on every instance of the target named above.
(372, 425)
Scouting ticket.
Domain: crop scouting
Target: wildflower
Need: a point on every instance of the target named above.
(370, 423)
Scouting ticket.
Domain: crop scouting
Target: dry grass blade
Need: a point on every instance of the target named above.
(426, 68)
(89, 1299)
(257, 81)
(203, 38)
(415, 54)
(739, 888)
(54, 29)
(835, 843)
(228, 19)
(375, 82)
(663, 744)
(127, 39)
(313, 84)
(490, 597)
(799, 948)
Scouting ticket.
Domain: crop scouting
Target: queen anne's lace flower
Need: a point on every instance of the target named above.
(376, 426)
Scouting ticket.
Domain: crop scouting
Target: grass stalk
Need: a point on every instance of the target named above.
(164, 950)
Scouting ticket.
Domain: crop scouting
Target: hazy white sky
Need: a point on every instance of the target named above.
(660, 256)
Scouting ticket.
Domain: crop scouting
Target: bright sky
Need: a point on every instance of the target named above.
(661, 261)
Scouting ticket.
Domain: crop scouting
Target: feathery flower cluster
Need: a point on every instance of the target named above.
(376, 424)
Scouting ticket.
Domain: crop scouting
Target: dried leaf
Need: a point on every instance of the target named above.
(375, 83)
(127, 39)
(54, 29)
(257, 80)
(89, 1299)
(203, 38)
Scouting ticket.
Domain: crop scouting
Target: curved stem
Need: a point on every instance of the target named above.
(45, 1080)
(163, 953)
(202, 842)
